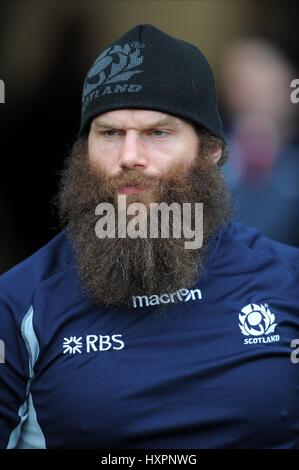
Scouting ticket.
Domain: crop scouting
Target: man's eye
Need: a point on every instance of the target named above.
(110, 133)
(159, 133)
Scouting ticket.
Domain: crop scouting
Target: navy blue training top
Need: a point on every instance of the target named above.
(207, 367)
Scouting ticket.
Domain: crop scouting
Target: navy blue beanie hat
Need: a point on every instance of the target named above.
(148, 69)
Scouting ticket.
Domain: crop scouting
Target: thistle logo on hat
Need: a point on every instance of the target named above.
(115, 65)
(149, 69)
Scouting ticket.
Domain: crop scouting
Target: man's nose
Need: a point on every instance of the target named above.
(132, 151)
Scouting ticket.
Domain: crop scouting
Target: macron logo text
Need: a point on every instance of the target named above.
(181, 295)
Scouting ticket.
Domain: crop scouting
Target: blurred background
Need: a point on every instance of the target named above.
(46, 48)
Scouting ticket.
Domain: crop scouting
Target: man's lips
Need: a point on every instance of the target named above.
(130, 190)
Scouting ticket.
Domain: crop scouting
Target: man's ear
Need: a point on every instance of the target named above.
(216, 153)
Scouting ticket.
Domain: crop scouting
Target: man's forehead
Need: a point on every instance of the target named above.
(139, 117)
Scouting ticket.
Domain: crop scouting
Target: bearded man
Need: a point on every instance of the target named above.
(118, 335)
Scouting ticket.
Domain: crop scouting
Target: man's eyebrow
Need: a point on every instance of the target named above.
(167, 121)
(99, 123)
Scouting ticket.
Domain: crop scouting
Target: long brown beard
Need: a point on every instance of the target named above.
(115, 269)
